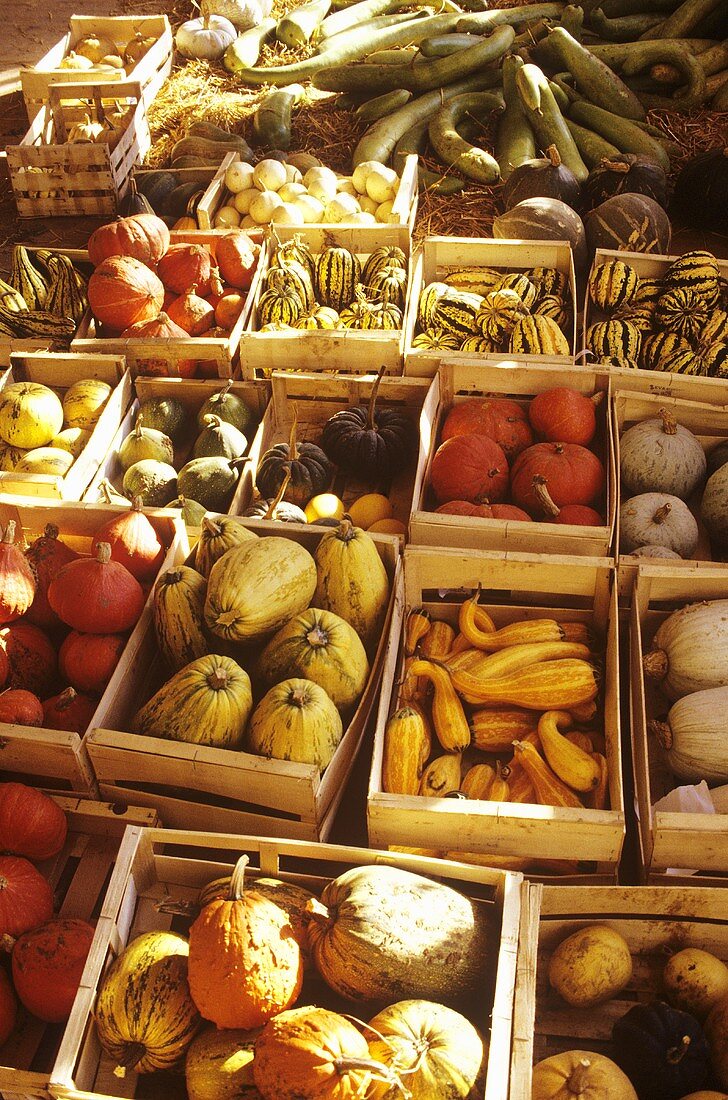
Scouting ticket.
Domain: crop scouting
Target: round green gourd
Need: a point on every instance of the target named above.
(166, 414)
(155, 482)
(219, 440)
(144, 443)
(209, 481)
(230, 408)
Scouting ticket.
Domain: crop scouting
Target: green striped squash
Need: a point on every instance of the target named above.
(648, 292)
(715, 359)
(388, 283)
(320, 317)
(387, 255)
(661, 346)
(280, 304)
(177, 611)
(145, 1017)
(538, 336)
(296, 249)
(521, 285)
(614, 338)
(554, 307)
(612, 284)
(456, 312)
(498, 313)
(337, 273)
(429, 297)
(642, 317)
(479, 344)
(683, 362)
(548, 280)
(716, 330)
(296, 275)
(684, 311)
(437, 340)
(353, 315)
(382, 315)
(696, 271)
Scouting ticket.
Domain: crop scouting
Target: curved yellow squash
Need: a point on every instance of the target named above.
(352, 581)
(296, 721)
(84, 401)
(219, 1065)
(145, 1016)
(30, 415)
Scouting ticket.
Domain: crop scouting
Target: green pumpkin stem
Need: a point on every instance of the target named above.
(378, 1071)
(676, 1054)
(131, 1057)
(237, 879)
(371, 423)
(105, 487)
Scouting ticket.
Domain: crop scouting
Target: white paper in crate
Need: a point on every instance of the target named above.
(691, 799)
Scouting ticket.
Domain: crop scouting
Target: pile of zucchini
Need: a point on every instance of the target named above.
(579, 78)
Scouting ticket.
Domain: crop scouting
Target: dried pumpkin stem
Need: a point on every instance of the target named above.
(655, 664)
(218, 679)
(662, 513)
(317, 637)
(371, 422)
(9, 535)
(669, 423)
(65, 699)
(553, 155)
(271, 513)
(237, 879)
(103, 554)
(676, 1054)
(131, 1057)
(543, 496)
(50, 531)
(579, 1077)
(662, 731)
(210, 525)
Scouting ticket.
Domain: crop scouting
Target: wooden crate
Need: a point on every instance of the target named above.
(440, 255)
(57, 760)
(79, 875)
(341, 351)
(514, 587)
(668, 840)
(9, 344)
(77, 178)
(710, 426)
(157, 866)
(655, 922)
(60, 372)
(192, 393)
(220, 351)
(195, 786)
(456, 382)
(404, 208)
(316, 398)
(150, 72)
(688, 387)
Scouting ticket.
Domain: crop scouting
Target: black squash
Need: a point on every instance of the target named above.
(627, 173)
(629, 223)
(309, 468)
(662, 1050)
(543, 176)
(701, 191)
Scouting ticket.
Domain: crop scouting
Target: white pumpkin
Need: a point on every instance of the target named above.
(244, 14)
(661, 456)
(690, 650)
(693, 736)
(205, 38)
(657, 519)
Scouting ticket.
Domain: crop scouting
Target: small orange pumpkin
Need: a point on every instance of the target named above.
(245, 964)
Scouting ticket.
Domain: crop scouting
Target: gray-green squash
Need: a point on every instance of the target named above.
(230, 408)
(167, 415)
(218, 439)
(661, 456)
(209, 481)
(143, 443)
(657, 519)
(155, 482)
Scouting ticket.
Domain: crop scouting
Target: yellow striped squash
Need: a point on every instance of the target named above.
(661, 346)
(612, 284)
(337, 273)
(219, 1065)
(437, 339)
(616, 338)
(521, 285)
(538, 336)
(429, 297)
(548, 280)
(352, 581)
(296, 720)
(695, 271)
(387, 255)
(683, 310)
(715, 359)
(455, 311)
(177, 611)
(218, 534)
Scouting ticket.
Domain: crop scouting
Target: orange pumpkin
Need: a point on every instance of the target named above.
(31, 823)
(123, 291)
(245, 964)
(47, 966)
(8, 1008)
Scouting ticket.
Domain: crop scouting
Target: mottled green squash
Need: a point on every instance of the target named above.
(177, 609)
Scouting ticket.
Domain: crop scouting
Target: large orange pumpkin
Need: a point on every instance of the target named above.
(245, 964)
(123, 291)
(483, 511)
(161, 328)
(47, 966)
(31, 823)
(31, 656)
(87, 661)
(469, 467)
(46, 555)
(569, 473)
(500, 418)
(186, 265)
(562, 415)
(145, 237)
(26, 899)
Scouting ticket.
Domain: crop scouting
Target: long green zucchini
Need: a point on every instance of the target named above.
(393, 57)
(414, 140)
(692, 91)
(593, 148)
(483, 22)
(514, 142)
(272, 119)
(422, 77)
(299, 26)
(442, 45)
(453, 149)
(247, 46)
(380, 139)
(626, 135)
(684, 19)
(624, 28)
(355, 15)
(563, 92)
(383, 105)
(592, 77)
(546, 120)
(380, 23)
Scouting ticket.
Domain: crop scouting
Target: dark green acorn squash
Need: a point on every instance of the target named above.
(167, 415)
(219, 440)
(156, 187)
(230, 408)
(662, 1050)
(155, 482)
(209, 481)
(628, 223)
(627, 173)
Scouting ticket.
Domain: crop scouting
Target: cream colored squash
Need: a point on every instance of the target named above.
(694, 736)
(690, 649)
(83, 402)
(45, 460)
(590, 966)
(578, 1075)
(352, 581)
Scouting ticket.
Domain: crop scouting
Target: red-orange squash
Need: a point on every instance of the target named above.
(499, 418)
(483, 511)
(8, 1008)
(20, 708)
(133, 541)
(97, 595)
(87, 661)
(17, 583)
(4, 667)
(144, 237)
(47, 965)
(469, 467)
(581, 515)
(46, 555)
(186, 265)
(237, 258)
(69, 711)
(562, 415)
(161, 328)
(123, 291)
(26, 898)
(194, 315)
(31, 656)
(31, 823)
(569, 473)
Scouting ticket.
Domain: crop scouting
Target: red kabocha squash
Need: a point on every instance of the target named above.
(31, 656)
(228, 308)
(26, 899)
(237, 258)
(31, 823)
(193, 314)
(500, 419)
(186, 265)
(469, 467)
(144, 237)
(97, 595)
(20, 708)
(569, 473)
(46, 555)
(483, 511)
(562, 415)
(17, 583)
(70, 711)
(47, 965)
(133, 541)
(123, 291)
(579, 514)
(87, 661)
(8, 1008)
(161, 328)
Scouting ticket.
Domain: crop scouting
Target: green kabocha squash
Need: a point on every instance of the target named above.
(374, 444)
(219, 440)
(229, 407)
(296, 720)
(319, 646)
(210, 481)
(177, 610)
(218, 534)
(257, 587)
(383, 934)
(219, 1065)
(145, 1017)
(208, 702)
(310, 470)
(155, 482)
(165, 414)
(145, 443)
(662, 1050)
(352, 581)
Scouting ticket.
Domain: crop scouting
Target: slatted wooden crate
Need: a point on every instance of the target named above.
(710, 426)
(456, 382)
(195, 786)
(513, 587)
(159, 868)
(59, 372)
(440, 255)
(341, 351)
(672, 840)
(150, 71)
(219, 354)
(315, 398)
(192, 393)
(662, 383)
(57, 760)
(79, 875)
(655, 922)
(52, 177)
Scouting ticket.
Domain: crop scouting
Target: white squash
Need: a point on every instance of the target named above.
(269, 175)
(287, 214)
(383, 213)
(381, 184)
(661, 456)
(311, 208)
(693, 736)
(245, 199)
(341, 209)
(262, 207)
(244, 14)
(714, 506)
(657, 519)
(654, 552)
(239, 177)
(227, 216)
(690, 649)
(205, 38)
